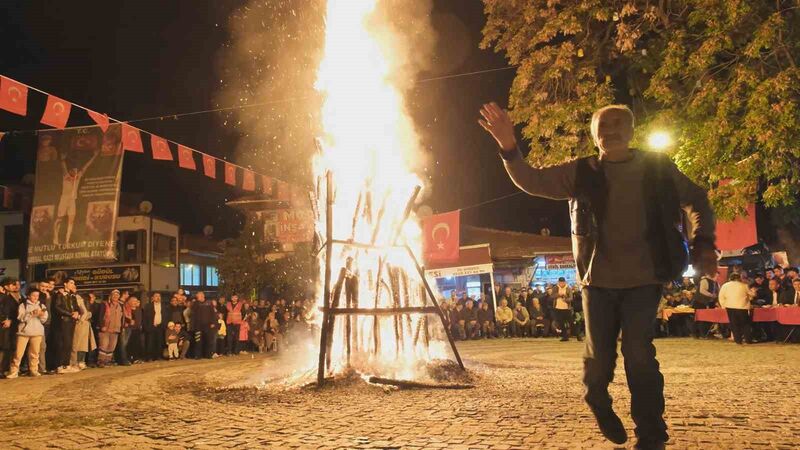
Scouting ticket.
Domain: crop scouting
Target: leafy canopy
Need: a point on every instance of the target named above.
(720, 76)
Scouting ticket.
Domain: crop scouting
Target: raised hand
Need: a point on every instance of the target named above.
(498, 123)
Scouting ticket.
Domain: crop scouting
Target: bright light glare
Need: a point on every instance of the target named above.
(659, 140)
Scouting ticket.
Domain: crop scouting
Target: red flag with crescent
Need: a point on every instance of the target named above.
(185, 158)
(230, 174)
(249, 181)
(56, 112)
(13, 96)
(209, 166)
(100, 119)
(441, 237)
(160, 148)
(738, 233)
(131, 139)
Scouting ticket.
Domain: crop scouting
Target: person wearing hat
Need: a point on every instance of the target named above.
(8, 320)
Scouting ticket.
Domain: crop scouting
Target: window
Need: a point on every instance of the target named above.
(130, 246)
(190, 275)
(164, 250)
(212, 277)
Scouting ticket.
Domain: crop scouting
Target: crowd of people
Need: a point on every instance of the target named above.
(741, 293)
(555, 310)
(51, 330)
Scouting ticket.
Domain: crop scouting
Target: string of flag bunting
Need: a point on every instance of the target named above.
(57, 111)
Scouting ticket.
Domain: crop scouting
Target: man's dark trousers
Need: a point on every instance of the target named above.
(633, 311)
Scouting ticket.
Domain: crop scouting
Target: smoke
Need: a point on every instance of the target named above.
(272, 57)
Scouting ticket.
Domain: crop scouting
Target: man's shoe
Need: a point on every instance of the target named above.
(12, 375)
(648, 444)
(611, 427)
(564, 339)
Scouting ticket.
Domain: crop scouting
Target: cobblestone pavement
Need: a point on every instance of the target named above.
(527, 395)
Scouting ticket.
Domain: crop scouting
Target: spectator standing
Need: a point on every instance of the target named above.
(110, 326)
(234, 322)
(67, 312)
(154, 316)
(83, 340)
(272, 335)
(562, 307)
(734, 297)
(705, 297)
(46, 299)
(9, 311)
(31, 316)
(133, 316)
(204, 323)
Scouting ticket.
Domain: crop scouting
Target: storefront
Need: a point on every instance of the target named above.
(471, 274)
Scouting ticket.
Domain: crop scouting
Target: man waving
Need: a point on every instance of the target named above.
(625, 207)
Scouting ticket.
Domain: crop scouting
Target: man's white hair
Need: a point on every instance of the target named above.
(596, 117)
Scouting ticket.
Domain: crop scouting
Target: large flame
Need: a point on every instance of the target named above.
(370, 146)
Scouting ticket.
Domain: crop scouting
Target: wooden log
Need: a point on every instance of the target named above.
(324, 334)
(436, 305)
(407, 384)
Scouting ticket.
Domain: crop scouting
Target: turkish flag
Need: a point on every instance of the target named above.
(56, 112)
(160, 148)
(209, 166)
(249, 181)
(266, 185)
(738, 233)
(131, 139)
(230, 174)
(283, 191)
(13, 96)
(100, 119)
(186, 158)
(441, 237)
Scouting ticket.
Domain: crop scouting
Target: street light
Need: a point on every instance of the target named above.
(659, 140)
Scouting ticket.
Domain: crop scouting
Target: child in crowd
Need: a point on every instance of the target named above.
(222, 331)
(244, 335)
(172, 341)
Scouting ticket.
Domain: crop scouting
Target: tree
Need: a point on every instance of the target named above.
(721, 75)
(247, 265)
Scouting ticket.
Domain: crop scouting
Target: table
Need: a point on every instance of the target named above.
(668, 312)
(786, 315)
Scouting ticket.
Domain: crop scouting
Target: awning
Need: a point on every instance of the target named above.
(472, 260)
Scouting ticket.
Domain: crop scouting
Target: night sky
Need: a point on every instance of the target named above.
(142, 59)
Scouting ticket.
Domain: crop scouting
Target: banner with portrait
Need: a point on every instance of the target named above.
(76, 196)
